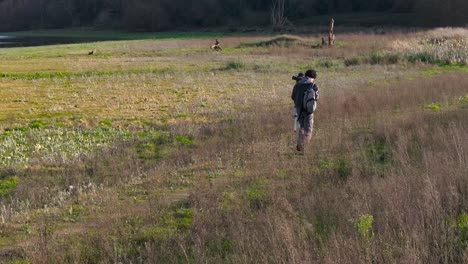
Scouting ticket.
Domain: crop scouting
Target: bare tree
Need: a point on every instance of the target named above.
(278, 19)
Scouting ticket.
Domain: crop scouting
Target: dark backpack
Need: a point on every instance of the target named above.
(309, 100)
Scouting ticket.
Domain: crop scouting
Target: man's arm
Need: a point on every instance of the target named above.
(317, 94)
(293, 93)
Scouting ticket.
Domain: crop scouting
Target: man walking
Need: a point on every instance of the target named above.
(305, 95)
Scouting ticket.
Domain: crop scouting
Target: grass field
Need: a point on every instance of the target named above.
(159, 150)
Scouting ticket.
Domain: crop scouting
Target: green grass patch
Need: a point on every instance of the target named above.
(37, 124)
(18, 261)
(185, 140)
(379, 157)
(68, 75)
(459, 224)
(462, 226)
(363, 226)
(153, 144)
(136, 232)
(7, 186)
(433, 107)
(227, 201)
(105, 123)
(463, 100)
(147, 150)
(219, 246)
(37, 75)
(257, 195)
(324, 225)
(339, 167)
(282, 175)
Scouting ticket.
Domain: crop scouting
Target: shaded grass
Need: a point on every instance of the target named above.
(285, 41)
(119, 35)
(234, 65)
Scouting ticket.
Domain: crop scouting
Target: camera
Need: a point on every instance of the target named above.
(298, 77)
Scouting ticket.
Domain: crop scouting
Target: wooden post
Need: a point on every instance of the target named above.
(331, 34)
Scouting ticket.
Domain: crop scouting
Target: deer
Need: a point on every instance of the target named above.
(216, 46)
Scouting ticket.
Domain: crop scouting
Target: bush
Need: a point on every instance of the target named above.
(353, 61)
(325, 63)
(422, 57)
(383, 58)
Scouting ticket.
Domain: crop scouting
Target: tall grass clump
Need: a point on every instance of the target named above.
(234, 65)
(353, 61)
(382, 58)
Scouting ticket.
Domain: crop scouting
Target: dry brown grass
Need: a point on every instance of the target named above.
(404, 165)
(307, 214)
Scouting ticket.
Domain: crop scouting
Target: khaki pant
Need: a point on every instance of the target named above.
(306, 123)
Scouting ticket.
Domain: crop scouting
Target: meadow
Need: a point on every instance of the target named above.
(160, 150)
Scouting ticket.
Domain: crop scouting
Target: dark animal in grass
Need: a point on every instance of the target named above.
(216, 46)
(92, 52)
(317, 46)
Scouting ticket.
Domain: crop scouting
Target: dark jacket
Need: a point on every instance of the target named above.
(299, 90)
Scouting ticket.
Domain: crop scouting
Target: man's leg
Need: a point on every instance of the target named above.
(305, 132)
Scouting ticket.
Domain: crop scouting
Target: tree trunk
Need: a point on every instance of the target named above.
(331, 34)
